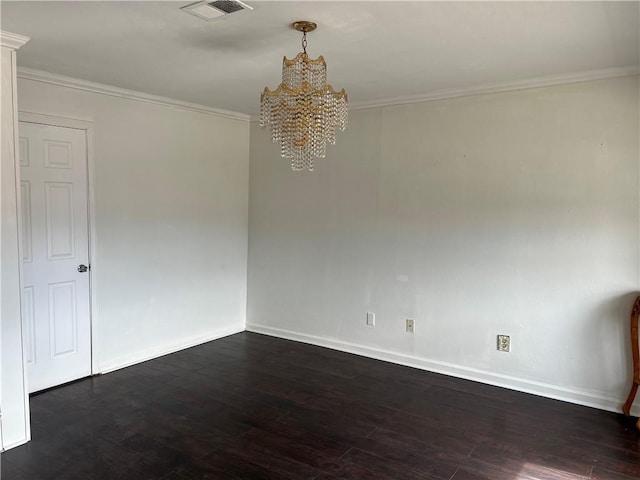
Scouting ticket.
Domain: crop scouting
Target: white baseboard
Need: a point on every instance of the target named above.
(572, 395)
(149, 354)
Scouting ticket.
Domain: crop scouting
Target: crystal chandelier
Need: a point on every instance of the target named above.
(304, 112)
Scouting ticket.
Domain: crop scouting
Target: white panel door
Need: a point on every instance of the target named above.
(55, 246)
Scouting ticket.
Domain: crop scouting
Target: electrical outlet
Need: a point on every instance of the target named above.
(504, 343)
(410, 325)
(371, 319)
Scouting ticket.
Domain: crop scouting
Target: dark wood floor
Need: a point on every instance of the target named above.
(254, 407)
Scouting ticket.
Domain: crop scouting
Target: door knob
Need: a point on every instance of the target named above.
(82, 268)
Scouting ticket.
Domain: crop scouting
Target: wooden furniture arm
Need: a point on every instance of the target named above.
(635, 349)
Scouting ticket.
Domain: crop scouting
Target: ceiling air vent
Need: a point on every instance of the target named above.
(211, 10)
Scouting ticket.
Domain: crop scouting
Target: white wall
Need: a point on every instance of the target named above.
(512, 213)
(171, 199)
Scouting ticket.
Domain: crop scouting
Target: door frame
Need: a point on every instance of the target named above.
(86, 125)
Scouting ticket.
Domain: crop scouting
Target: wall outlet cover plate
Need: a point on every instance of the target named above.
(504, 343)
(371, 319)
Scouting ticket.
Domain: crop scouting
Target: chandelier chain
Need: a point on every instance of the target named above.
(304, 41)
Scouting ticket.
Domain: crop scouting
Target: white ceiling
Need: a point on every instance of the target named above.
(376, 50)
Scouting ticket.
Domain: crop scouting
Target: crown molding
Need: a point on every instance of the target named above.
(546, 81)
(103, 89)
(12, 40)
(497, 87)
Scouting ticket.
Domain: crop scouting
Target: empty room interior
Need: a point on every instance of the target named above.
(324, 240)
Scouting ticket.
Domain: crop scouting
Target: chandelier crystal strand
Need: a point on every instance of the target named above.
(304, 112)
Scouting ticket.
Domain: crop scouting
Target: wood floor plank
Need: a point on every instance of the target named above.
(464, 475)
(251, 407)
